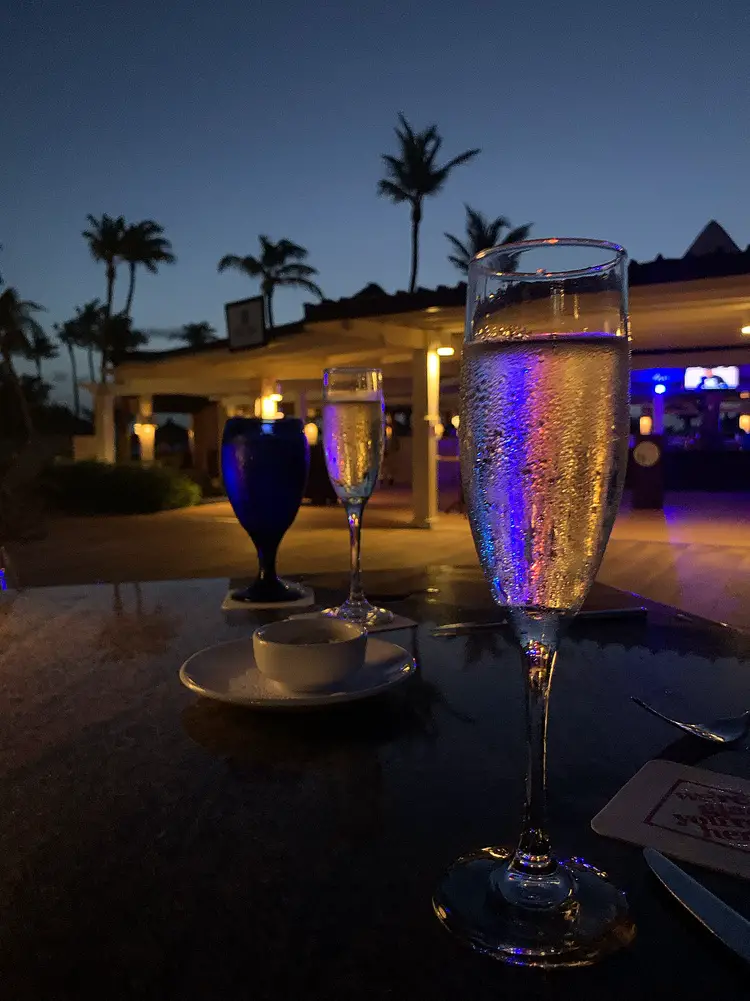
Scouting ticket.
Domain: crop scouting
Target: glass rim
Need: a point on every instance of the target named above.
(505, 250)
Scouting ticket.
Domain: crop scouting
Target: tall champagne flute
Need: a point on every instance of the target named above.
(544, 439)
(353, 438)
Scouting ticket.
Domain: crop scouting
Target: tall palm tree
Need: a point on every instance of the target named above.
(105, 238)
(67, 334)
(481, 234)
(195, 335)
(144, 243)
(89, 320)
(41, 348)
(277, 267)
(414, 174)
(17, 328)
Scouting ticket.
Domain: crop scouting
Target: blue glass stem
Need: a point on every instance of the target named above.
(267, 561)
(354, 510)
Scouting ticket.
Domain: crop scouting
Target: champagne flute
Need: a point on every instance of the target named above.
(544, 440)
(353, 438)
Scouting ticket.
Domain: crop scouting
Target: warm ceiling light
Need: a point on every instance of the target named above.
(745, 330)
(432, 309)
(446, 352)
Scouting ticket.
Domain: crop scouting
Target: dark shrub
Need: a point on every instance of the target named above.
(100, 488)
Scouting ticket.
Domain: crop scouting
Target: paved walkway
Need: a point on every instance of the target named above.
(695, 554)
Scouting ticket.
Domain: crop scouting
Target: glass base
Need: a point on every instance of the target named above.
(269, 590)
(360, 612)
(589, 923)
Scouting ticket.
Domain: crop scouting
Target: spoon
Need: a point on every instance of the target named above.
(718, 731)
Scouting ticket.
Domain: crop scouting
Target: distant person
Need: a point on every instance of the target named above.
(711, 381)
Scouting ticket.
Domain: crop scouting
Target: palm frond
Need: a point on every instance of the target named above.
(393, 191)
(289, 249)
(519, 233)
(249, 266)
(296, 271)
(301, 283)
(461, 248)
(413, 172)
(469, 154)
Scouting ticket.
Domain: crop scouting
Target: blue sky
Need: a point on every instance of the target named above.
(625, 121)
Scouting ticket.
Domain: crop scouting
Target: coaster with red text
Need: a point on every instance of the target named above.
(689, 813)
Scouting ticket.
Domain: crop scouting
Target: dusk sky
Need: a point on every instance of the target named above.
(626, 121)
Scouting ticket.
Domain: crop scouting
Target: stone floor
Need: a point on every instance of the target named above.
(695, 554)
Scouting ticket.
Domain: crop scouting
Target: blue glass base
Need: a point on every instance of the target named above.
(268, 591)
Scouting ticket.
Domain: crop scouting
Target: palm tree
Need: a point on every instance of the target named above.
(17, 328)
(414, 174)
(88, 321)
(105, 238)
(144, 243)
(278, 266)
(41, 348)
(482, 233)
(117, 339)
(67, 334)
(195, 335)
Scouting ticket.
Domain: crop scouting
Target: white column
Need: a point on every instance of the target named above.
(104, 423)
(424, 417)
(658, 412)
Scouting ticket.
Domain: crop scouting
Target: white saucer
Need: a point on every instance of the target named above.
(228, 672)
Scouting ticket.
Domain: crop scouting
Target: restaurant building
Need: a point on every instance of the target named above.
(690, 325)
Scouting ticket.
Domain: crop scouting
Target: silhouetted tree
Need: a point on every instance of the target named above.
(118, 339)
(88, 321)
(105, 237)
(195, 335)
(17, 328)
(144, 243)
(414, 174)
(279, 266)
(481, 234)
(41, 348)
(67, 334)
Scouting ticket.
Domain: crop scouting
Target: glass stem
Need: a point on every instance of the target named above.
(533, 854)
(354, 511)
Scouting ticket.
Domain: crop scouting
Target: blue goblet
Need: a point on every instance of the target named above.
(264, 465)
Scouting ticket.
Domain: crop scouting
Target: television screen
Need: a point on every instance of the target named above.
(723, 377)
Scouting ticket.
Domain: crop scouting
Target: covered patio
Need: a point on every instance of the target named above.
(684, 312)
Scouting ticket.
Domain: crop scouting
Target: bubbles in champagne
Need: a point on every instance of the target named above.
(544, 433)
(353, 439)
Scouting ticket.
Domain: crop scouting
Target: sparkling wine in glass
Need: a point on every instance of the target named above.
(353, 440)
(544, 439)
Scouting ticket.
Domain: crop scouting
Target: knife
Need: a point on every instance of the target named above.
(719, 918)
(460, 628)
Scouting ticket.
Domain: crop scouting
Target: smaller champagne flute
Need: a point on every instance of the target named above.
(353, 437)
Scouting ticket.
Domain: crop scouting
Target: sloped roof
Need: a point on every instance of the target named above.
(713, 254)
(712, 239)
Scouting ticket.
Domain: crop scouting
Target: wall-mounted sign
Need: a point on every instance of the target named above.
(246, 327)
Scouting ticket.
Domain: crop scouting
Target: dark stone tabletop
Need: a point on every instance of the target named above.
(156, 845)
